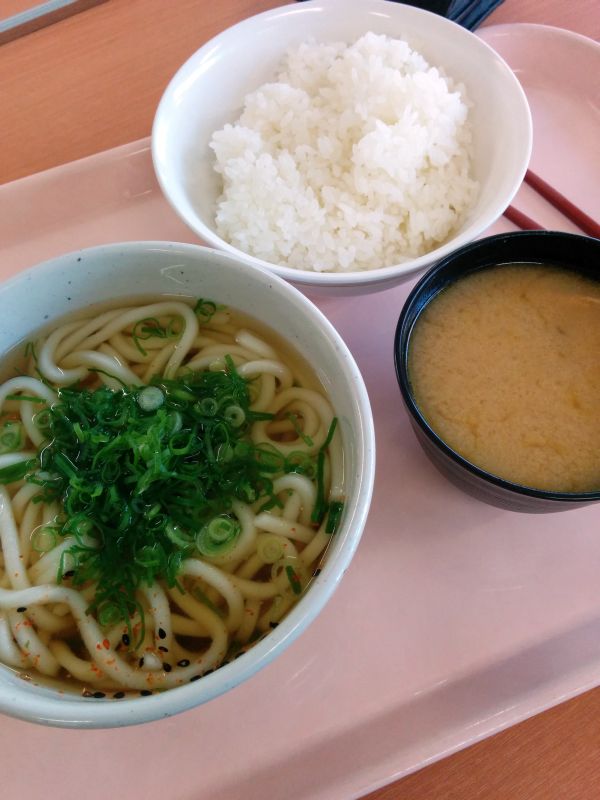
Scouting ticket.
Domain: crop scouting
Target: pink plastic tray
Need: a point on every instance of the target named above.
(454, 621)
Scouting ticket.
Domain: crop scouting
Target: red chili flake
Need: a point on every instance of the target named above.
(106, 644)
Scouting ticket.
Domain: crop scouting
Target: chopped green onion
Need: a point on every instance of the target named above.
(43, 539)
(336, 508)
(298, 430)
(151, 327)
(203, 598)
(293, 578)
(235, 416)
(205, 309)
(16, 472)
(320, 508)
(11, 437)
(146, 476)
(108, 375)
(175, 535)
(42, 419)
(301, 462)
(270, 548)
(218, 537)
(150, 398)
(207, 407)
(109, 614)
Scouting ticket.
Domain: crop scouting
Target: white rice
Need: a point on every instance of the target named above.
(357, 157)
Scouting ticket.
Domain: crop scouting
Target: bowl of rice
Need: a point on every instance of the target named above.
(344, 147)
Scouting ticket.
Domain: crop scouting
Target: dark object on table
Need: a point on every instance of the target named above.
(578, 253)
(468, 13)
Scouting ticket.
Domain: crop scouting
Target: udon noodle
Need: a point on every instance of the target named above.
(124, 386)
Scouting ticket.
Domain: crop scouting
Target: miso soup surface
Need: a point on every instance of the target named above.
(505, 368)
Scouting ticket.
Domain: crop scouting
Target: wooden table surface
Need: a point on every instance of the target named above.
(91, 82)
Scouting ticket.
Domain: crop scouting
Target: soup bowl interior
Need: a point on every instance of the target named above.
(208, 91)
(131, 271)
(578, 253)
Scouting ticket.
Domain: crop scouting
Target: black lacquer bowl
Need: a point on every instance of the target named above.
(579, 253)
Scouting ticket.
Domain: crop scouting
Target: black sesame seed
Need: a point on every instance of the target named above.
(317, 572)
(194, 678)
(167, 667)
(125, 639)
(118, 695)
(98, 695)
(162, 634)
(163, 649)
(22, 608)
(273, 624)
(141, 662)
(145, 692)
(183, 663)
(208, 671)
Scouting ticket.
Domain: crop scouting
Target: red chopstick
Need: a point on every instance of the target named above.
(522, 220)
(559, 201)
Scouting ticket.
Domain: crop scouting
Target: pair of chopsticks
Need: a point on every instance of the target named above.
(559, 201)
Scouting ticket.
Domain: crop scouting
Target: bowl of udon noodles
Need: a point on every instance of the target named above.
(186, 466)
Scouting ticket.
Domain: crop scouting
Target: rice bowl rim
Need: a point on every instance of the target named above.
(350, 278)
(45, 706)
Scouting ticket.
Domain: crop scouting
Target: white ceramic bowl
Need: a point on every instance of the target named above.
(78, 279)
(209, 88)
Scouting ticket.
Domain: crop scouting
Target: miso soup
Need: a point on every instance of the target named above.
(505, 368)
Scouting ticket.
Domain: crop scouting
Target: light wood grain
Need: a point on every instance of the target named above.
(554, 756)
(92, 82)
